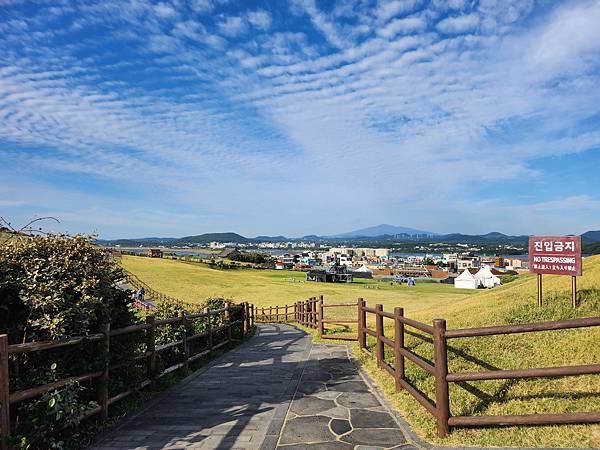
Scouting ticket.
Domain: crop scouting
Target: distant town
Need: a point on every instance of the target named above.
(400, 255)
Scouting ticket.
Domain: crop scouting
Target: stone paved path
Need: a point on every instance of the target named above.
(335, 408)
(236, 402)
(275, 392)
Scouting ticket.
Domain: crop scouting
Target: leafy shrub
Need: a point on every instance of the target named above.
(56, 287)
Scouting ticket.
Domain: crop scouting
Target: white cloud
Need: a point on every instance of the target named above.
(459, 24)
(260, 19)
(408, 111)
(574, 32)
(323, 23)
(202, 6)
(164, 10)
(232, 26)
(387, 9)
(402, 26)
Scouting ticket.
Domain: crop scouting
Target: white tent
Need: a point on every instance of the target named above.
(364, 268)
(485, 278)
(465, 281)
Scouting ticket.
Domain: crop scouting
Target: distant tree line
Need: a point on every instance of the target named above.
(592, 249)
(251, 257)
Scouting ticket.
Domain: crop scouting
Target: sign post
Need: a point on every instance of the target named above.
(555, 255)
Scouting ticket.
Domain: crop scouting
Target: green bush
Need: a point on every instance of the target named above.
(56, 287)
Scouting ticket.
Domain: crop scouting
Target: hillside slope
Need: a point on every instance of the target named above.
(515, 303)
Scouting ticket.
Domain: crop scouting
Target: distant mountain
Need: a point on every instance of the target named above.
(382, 230)
(379, 233)
(271, 239)
(454, 238)
(214, 237)
(590, 237)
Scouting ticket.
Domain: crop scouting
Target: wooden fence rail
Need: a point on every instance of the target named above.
(309, 313)
(439, 408)
(224, 332)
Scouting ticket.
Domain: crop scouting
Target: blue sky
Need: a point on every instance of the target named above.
(134, 118)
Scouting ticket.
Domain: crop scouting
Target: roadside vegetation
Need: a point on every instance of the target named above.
(57, 287)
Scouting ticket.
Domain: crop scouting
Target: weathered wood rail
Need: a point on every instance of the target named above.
(216, 338)
(142, 305)
(310, 313)
(439, 408)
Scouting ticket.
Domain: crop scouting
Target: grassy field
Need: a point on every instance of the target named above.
(513, 303)
(193, 282)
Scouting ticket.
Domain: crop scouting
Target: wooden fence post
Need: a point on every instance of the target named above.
(398, 345)
(4, 393)
(270, 314)
(184, 343)
(246, 318)
(362, 319)
(379, 346)
(286, 312)
(227, 317)
(313, 313)
(252, 312)
(442, 398)
(151, 350)
(103, 392)
(305, 312)
(320, 317)
(209, 328)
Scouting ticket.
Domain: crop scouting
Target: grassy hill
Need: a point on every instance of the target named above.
(513, 303)
(194, 282)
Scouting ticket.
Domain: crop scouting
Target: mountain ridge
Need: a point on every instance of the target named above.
(589, 237)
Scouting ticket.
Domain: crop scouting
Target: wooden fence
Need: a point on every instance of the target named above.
(222, 333)
(439, 408)
(311, 314)
(133, 281)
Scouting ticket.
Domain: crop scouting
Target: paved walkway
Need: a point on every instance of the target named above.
(236, 402)
(276, 391)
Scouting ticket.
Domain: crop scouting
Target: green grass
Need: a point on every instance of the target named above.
(513, 303)
(194, 282)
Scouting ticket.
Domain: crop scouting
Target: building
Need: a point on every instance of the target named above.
(335, 274)
(468, 262)
(156, 253)
(516, 263)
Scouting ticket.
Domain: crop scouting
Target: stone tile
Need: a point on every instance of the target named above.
(334, 445)
(348, 386)
(339, 426)
(339, 412)
(308, 405)
(358, 400)
(362, 418)
(305, 430)
(374, 436)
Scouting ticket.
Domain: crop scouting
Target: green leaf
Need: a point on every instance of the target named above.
(52, 402)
